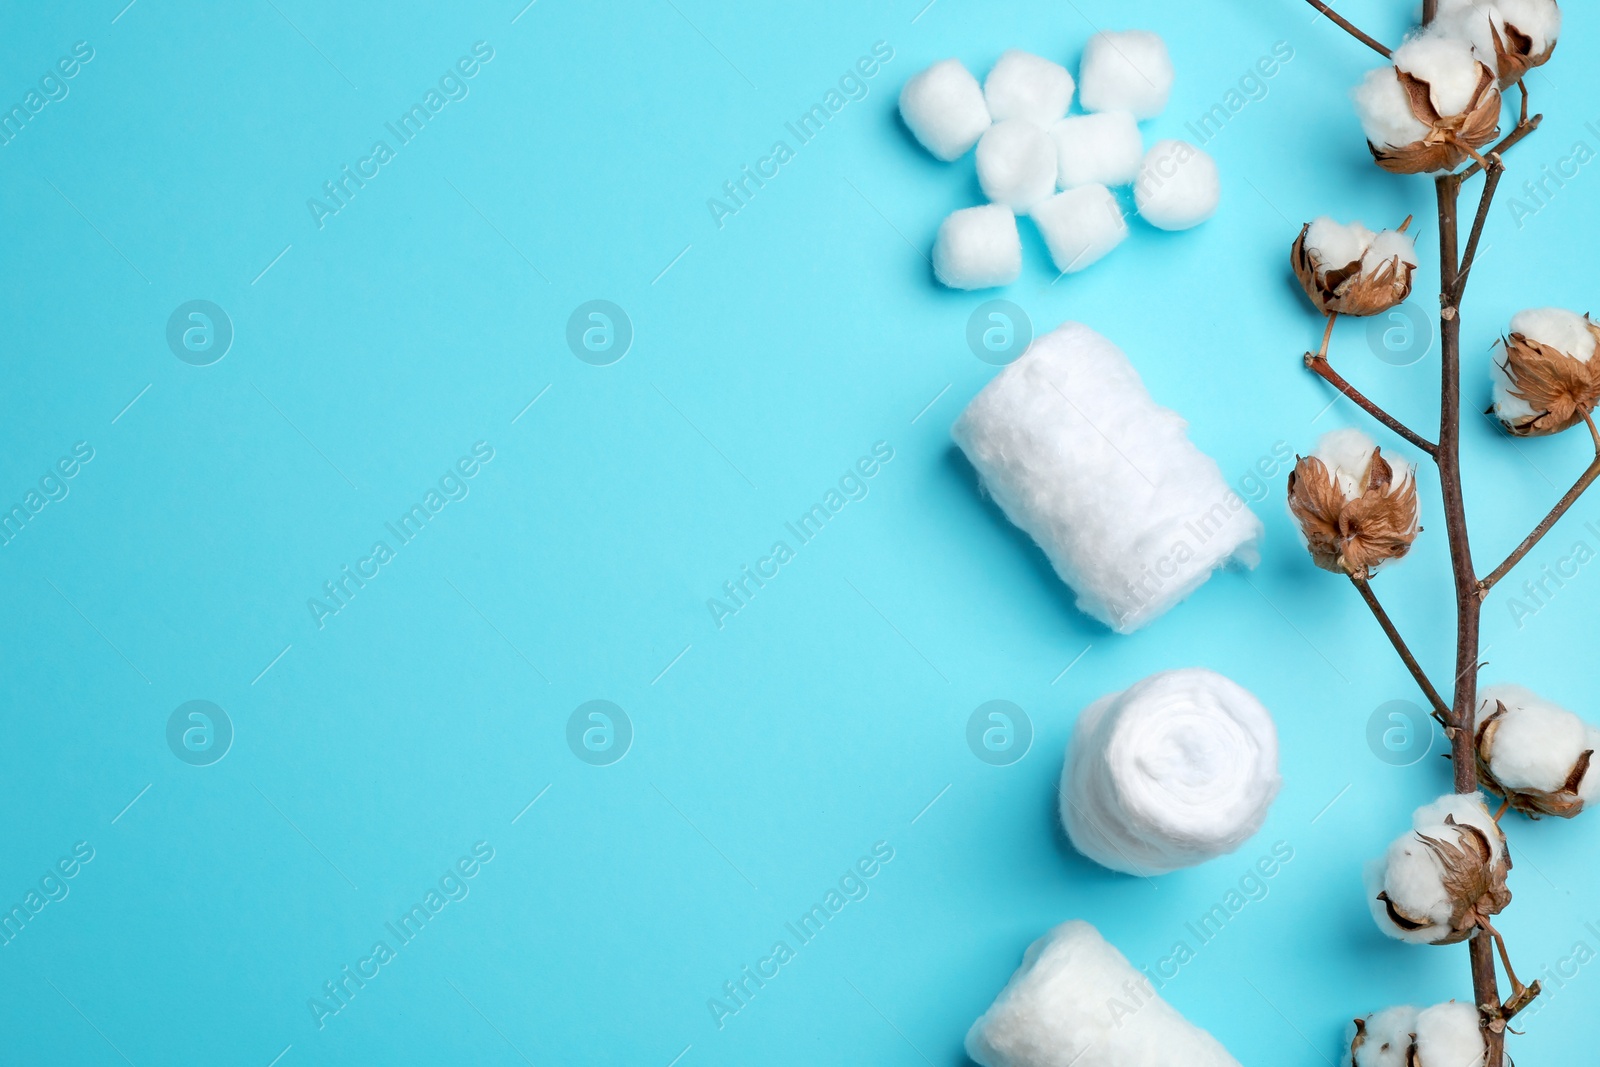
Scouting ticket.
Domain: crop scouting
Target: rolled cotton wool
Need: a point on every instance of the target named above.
(1060, 1010)
(1080, 226)
(1125, 71)
(1178, 187)
(1175, 770)
(1131, 514)
(1103, 149)
(1016, 164)
(944, 109)
(978, 248)
(1025, 86)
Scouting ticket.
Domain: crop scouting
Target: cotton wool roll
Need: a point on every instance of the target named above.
(1025, 86)
(1178, 187)
(943, 107)
(1130, 513)
(1016, 164)
(1173, 771)
(978, 248)
(1080, 226)
(1100, 149)
(1057, 1011)
(1127, 71)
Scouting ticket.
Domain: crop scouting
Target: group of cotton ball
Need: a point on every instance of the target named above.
(1445, 1035)
(1028, 148)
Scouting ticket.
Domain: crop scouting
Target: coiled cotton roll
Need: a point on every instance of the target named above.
(1077, 1002)
(1171, 772)
(1131, 514)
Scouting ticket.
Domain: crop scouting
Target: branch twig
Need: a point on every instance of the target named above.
(1441, 710)
(1585, 480)
(1346, 25)
(1320, 366)
(1497, 167)
(1506, 142)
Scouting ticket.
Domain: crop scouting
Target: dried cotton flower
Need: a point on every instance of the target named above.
(1350, 270)
(1356, 507)
(1432, 109)
(1534, 753)
(1545, 376)
(1442, 881)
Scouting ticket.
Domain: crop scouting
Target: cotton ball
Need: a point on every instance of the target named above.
(1347, 453)
(1448, 1036)
(1016, 164)
(978, 248)
(1025, 86)
(1447, 64)
(1385, 110)
(943, 106)
(1080, 226)
(1103, 149)
(1178, 186)
(1128, 71)
(1388, 1038)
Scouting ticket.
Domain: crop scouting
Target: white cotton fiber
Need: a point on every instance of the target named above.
(1132, 516)
(943, 107)
(1386, 246)
(1385, 110)
(1178, 186)
(1347, 453)
(1473, 19)
(1128, 71)
(1077, 1002)
(1173, 771)
(1447, 64)
(1336, 244)
(1388, 1041)
(978, 248)
(1555, 327)
(1412, 875)
(1025, 86)
(1537, 743)
(1448, 1036)
(1080, 226)
(1102, 149)
(1016, 164)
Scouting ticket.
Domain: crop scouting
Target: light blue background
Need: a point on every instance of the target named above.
(827, 715)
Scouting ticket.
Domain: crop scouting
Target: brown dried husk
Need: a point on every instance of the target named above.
(1514, 54)
(1445, 145)
(1563, 803)
(1473, 879)
(1560, 389)
(1353, 535)
(1346, 289)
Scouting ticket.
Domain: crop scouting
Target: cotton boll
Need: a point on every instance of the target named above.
(1387, 1040)
(1448, 1036)
(1080, 226)
(1435, 885)
(1025, 86)
(1128, 71)
(1178, 187)
(1016, 164)
(1347, 453)
(1558, 328)
(1447, 64)
(1385, 111)
(944, 108)
(1101, 149)
(1530, 750)
(1543, 379)
(978, 248)
(1061, 1009)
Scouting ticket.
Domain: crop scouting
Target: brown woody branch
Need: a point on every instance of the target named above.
(1441, 710)
(1320, 366)
(1346, 25)
(1585, 480)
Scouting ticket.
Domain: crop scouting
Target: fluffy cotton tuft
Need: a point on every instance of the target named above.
(1412, 875)
(1016, 164)
(1447, 64)
(1448, 1036)
(1536, 742)
(1080, 226)
(1386, 246)
(1337, 244)
(1102, 149)
(1178, 187)
(1058, 1011)
(1176, 770)
(944, 108)
(1128, 71)
(978, 248)
(1347, 453)
(1385, 111)
(1025, 86)
(1477, 21)
(1072, 448)
(1388, 1038)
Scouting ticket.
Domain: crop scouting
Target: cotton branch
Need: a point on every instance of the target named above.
(1441, 710)
(1346, 25)
(1585, 480)
(1320, 366)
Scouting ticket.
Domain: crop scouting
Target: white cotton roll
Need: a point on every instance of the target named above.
(1102, 149)
(1178, 187)
(1077, 1002)
(943, 107)
(1080, 226)
(1025, 86)
(1537, 743)
(1173, 771)
(1016, 164)
(1132, 516)
(1128, 71)
(978, 248)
